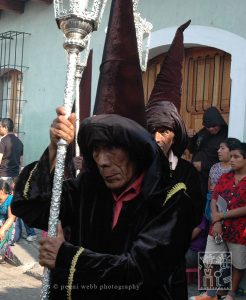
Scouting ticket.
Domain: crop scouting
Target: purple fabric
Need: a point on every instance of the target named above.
(199, 243)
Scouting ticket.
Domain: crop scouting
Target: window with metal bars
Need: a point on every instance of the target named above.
(11, 76)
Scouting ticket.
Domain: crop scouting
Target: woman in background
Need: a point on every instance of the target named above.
(218, 169)
(6, 222)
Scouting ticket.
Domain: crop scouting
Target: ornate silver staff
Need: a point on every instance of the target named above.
(77, 19)
(80, 67)
(143, 32)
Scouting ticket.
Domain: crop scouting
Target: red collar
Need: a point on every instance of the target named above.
(129, 194)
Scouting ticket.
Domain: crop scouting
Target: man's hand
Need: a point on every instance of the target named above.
(198, 165)
(49, 247)
(217, 229)
(61, 128)
(191, 132)
(78, 162)
(1, 234)
(216, 217)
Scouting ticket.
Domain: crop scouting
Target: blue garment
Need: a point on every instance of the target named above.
(9, 234)
(18, 229)
(208, 208)
(4, 208)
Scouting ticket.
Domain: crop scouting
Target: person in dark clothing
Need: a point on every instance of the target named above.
(167, 127)
(205, 144)
(11, 150)
(125, 220)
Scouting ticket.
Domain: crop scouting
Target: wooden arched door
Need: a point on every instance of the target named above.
(206, 82)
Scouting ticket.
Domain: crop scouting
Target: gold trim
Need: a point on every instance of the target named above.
(176, 188)
(71, 273)
(27, 185)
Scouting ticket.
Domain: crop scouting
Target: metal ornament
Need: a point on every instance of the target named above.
(143, 32)
(80, 67)
(77, 19)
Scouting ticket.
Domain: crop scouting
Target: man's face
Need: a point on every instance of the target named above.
(114, 166)
(2, 130)
(164, 139)
(238, 162)
(213, 129)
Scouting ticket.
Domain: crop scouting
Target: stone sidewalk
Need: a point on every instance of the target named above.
(26, 256)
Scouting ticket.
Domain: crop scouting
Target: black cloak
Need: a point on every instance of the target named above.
(134, 259)
(204, 145)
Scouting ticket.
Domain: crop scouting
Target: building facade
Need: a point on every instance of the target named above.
(33, 62)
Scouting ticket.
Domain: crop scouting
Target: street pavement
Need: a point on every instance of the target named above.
(23, 282)
(17, 285)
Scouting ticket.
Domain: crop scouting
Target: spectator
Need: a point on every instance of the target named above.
(121, 236)
(198, 243)
(11, 150)
(6, 222)
(205, 144)
(229, 223)
(223, 166)
(31, 235)
(30, 232)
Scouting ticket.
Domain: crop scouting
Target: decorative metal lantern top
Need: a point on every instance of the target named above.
(77, 19)
(90, 11)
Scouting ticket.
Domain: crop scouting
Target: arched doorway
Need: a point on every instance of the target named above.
(204, 36)
(206, 82)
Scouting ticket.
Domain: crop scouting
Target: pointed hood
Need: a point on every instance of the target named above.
(169, 80)
(120, 87)
(163, 107)
(212, 117)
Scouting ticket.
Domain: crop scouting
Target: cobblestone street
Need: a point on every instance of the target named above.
(16, 285)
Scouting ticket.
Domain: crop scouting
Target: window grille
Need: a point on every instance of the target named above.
(11, 76)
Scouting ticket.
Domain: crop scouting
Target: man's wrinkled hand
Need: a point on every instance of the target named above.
(62, 127)
(49, 247)
(198, 165)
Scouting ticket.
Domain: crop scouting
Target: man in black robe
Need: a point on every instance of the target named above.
(167, 127)
(124, 242)
(205, 144)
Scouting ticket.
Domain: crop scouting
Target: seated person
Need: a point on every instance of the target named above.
(198, 243)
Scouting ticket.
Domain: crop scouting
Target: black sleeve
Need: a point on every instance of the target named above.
(33, 192)
(187, 173)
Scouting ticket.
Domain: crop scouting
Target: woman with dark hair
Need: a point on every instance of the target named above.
(223, 166)
(6, 221)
